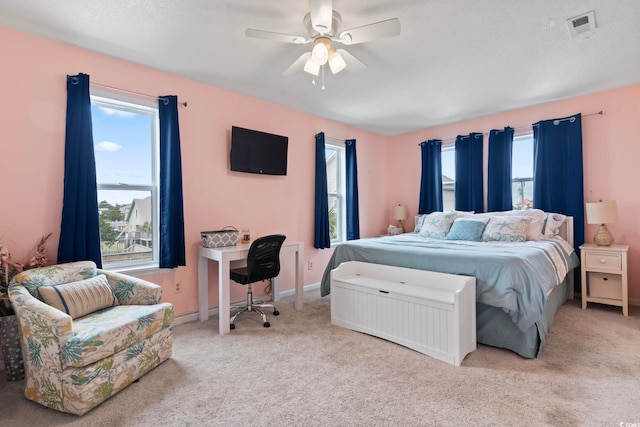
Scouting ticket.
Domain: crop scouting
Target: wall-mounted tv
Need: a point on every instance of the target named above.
(258, 152)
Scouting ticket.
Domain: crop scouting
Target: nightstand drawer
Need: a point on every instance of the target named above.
(603, 285)
(603, 260)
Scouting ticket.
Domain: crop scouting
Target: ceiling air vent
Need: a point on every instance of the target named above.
(581, 24)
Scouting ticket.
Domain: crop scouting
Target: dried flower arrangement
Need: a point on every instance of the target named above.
(9, 268)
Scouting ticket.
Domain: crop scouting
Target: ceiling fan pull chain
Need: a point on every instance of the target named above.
(323, 77)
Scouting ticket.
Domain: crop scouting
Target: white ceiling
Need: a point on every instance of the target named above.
(454, 60)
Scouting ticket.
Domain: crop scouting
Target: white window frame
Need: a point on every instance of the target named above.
(339, 147)
(134, 105)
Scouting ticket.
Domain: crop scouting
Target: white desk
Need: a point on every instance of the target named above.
(224, 256)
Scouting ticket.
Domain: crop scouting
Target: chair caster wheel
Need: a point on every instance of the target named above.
(276, 312)
(232, 326)
(266, 324)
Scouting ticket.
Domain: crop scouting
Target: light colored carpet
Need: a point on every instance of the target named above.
(305, 371)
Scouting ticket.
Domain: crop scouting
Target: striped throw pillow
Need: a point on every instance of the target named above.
(80, 298)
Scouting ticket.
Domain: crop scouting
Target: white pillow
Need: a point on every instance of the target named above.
(80, 298)
(506, 228)
(436, 225)
(462, 213)
(536, 223)
(534, 229)
(552, 223)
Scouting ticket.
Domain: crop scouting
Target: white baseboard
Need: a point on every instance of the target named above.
(213, 312)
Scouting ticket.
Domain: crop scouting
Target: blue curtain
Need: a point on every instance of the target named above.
(557, 170)
(172, 252)
(431, 178)
(499, 174)
(353, 217)
(469, 185)
(79, 229)
(321, 237)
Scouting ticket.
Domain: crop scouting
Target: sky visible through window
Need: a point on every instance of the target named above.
(522, 157)
(122, 145)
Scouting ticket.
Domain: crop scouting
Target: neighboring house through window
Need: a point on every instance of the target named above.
(125, 134)
(336, 189)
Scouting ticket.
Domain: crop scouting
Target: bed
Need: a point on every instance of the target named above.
(519, 285)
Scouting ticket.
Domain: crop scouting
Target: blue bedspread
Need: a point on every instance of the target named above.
(516, 277)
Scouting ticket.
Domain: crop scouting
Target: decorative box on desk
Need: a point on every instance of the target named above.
(604, 275)
(433, 313)
(228, 236)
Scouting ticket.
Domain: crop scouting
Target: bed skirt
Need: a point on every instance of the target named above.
(495, 327)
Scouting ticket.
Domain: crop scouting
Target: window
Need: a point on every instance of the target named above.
(336, 190)
(126, 140)
(448, 178)
(522, 171)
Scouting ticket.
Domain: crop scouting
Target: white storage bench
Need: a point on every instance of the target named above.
(433, 313)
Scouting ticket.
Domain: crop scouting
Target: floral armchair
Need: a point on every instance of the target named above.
(73, 360)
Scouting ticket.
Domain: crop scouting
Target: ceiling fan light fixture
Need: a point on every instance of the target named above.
(320, 52)
(336, 61)
(311, 67)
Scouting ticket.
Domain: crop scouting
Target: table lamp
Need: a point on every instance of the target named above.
(602, 212)
(399, 213)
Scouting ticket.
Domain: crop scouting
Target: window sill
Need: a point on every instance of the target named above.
(139, 270)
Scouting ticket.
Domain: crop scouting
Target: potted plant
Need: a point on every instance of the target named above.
(9, 332)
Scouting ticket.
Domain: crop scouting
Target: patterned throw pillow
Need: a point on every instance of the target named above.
(80, 298)
(467, 229)
(552, 223)
(419, 219)
(534, 229)
(506, 229)
(436, 225)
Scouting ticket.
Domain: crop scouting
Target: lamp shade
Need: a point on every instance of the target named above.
(336, 62)
(311, 67)
(399, 212)
(320, 51)
(602, 212)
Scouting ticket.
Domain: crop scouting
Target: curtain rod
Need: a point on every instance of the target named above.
(184, 104)
(599, 113)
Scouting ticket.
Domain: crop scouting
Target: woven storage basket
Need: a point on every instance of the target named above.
(228, 236)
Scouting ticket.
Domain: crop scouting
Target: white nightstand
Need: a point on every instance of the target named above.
(604, 275)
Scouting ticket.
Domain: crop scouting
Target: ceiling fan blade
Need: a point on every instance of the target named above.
(378, 30)
(353, 63)
(298, 64)
(279, 37)
(321, 12)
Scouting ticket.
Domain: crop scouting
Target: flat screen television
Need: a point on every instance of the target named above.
(258, 152)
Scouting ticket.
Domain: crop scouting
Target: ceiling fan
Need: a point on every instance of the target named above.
(322, 24)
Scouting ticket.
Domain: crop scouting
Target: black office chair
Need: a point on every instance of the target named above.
(263, 263)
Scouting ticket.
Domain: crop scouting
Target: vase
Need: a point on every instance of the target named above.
(11, 352)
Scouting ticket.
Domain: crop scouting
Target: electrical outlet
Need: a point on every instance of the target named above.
(178, 288)
(310, 265)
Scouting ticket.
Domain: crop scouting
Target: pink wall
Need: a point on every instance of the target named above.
(32, 155)
(611, 148)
